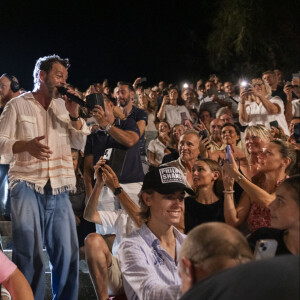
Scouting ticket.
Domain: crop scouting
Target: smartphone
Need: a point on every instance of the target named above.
(203, 133)
(165, 93)
(115, 159)
(228, 152)
(95, 99)
(296, 133)
(143, 79)
(265, 249)
(274, 124)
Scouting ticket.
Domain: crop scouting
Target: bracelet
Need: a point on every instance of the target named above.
(118, 191)
(74, 118)
(107, 128)
(240, 177)
(228, 192)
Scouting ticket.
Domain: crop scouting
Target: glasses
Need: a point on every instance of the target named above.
(259, 84)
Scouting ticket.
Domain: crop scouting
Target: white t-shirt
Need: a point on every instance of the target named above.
(158, 148)
(173, 114)
(259, 115)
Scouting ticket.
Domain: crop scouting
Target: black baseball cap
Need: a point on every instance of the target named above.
(165, 180)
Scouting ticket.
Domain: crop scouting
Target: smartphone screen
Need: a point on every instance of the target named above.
(95, 99)
(228, 152)
(274, 124)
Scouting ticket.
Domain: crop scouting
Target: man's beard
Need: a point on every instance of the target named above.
(52, 90)
(124, 102)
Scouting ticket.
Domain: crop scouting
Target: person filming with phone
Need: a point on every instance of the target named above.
(257, 106)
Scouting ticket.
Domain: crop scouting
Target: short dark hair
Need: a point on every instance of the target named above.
(234, 126)
(45, 63)
(130, 87)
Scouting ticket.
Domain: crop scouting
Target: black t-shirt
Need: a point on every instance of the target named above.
(280, 93)
(98, 141)
(138, 114)
(196, 213)
(267, 279)
(269, 233)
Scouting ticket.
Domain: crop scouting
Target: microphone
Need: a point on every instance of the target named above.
(63, 91)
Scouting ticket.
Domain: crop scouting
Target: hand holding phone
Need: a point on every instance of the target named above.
(265, 249)
(228, 154)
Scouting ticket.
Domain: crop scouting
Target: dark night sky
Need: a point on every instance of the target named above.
(117, 40)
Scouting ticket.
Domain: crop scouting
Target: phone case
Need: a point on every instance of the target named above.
(265, 249)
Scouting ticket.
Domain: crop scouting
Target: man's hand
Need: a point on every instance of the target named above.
(37, 149)
(99, 115)
(110, 178)
(72, 106)
(99, 169)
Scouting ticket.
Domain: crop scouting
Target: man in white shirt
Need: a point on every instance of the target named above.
(40, 128)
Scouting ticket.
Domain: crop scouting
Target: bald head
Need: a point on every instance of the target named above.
(209, 248)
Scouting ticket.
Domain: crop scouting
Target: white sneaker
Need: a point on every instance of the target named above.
(83, 267)
(5, 295)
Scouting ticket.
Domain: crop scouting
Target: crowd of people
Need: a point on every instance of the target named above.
(155, 191)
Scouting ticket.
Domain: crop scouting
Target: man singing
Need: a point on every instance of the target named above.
(40, 128)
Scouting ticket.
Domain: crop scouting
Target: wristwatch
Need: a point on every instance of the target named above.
(74, 118)
(107, 128)
(118, 191)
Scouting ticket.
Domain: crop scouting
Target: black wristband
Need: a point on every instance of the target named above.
(74, 119)
(118, 191)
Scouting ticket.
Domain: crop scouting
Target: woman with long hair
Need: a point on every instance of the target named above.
(274, 164)
(285, 219)
(172, 110)
(208, 203)
(159, 147)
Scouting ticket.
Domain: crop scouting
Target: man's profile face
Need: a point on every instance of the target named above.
(57, 76)
(5, 90)
(123, 95)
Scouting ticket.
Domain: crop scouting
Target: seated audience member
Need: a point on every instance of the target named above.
(230, 135)
(215, 139)
(268, 279)
(189, 98)
(211, 100)
(176, 132)
(270, 78)
(274, 164)
(285, 219)
(205, 117)
(208, 203)
(158, 147)
(257, 106)
(255, 139)
(188, 154)
(172, 109)
(103, 265)
(13, 280)
(148, 257)
(208, 249)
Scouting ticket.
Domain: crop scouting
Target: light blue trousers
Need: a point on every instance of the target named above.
(47, 219)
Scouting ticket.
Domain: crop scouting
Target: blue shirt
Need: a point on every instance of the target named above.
(138, 114)
(148, 271)
(98, 141)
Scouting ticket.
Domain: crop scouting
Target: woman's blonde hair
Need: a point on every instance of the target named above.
(256, 130)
